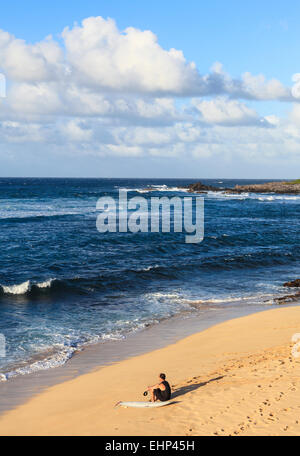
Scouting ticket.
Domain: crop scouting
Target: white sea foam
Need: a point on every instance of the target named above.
(229, 299)
(46, 284)
(278, 198)
(25, 287)
(156, 188)
(148, 268)
(21, 209)
(118, 331)
(20, 289)
(223, 195)
(56, 360)
(255, 196)
(266, 198)
(165, 188)
(164, 295)
(172, 302)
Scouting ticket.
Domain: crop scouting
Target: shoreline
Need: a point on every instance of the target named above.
(199, 310)
(228, 371)
(276, 187)
(21, 388)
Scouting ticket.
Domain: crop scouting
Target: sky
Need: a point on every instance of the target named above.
(129, 88)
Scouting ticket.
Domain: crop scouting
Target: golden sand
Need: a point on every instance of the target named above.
(236, 378)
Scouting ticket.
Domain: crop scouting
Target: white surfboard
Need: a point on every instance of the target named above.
(143, 404)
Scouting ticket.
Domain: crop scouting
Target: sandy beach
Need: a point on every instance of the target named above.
(235, 378)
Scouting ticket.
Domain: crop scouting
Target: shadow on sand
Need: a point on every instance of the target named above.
(188, 388)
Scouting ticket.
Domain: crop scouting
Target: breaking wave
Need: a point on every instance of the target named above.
(25, 287)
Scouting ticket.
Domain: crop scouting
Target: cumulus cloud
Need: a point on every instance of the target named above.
(96, 55)
(108, 92)
(259, 89)
(103, 57)
(44, 101)
(226, 112)
(30, 63)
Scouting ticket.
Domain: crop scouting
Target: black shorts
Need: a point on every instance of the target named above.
(159, 394)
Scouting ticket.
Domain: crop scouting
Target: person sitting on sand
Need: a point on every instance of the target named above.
(161, 391)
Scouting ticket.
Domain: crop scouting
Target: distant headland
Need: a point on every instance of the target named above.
(291, 187)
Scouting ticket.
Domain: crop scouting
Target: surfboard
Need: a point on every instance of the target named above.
(142, 404)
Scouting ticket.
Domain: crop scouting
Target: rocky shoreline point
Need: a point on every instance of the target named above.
(290, 187)
(292, 284)
(291, 297)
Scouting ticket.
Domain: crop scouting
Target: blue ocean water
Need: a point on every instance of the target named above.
(64, 285)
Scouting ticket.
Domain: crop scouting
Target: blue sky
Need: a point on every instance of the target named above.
(256, 35)
(200, 139)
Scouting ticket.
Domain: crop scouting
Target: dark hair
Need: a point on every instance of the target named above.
(162, 376)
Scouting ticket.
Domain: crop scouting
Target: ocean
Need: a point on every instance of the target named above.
(64, 285)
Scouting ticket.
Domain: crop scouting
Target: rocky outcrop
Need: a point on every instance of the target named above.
(198, 187)
(287, 299)
(268, 187)
(293, 283)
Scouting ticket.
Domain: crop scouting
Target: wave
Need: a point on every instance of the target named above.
(59, 355)
(278, 198)
(80, 285)
(251, 196)
(19, 216)
(219, 195)
(231, 299)
(77, 285)
(25, 287)
(55, 360)
(148, 268)
(155, 188)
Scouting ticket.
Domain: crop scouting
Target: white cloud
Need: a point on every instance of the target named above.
(39, 99)
(103, 57)
(77, 131)
(118, 93)
(259, 89)
(30, 63)
(226, 112)
(272, 120)
(98, 56)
